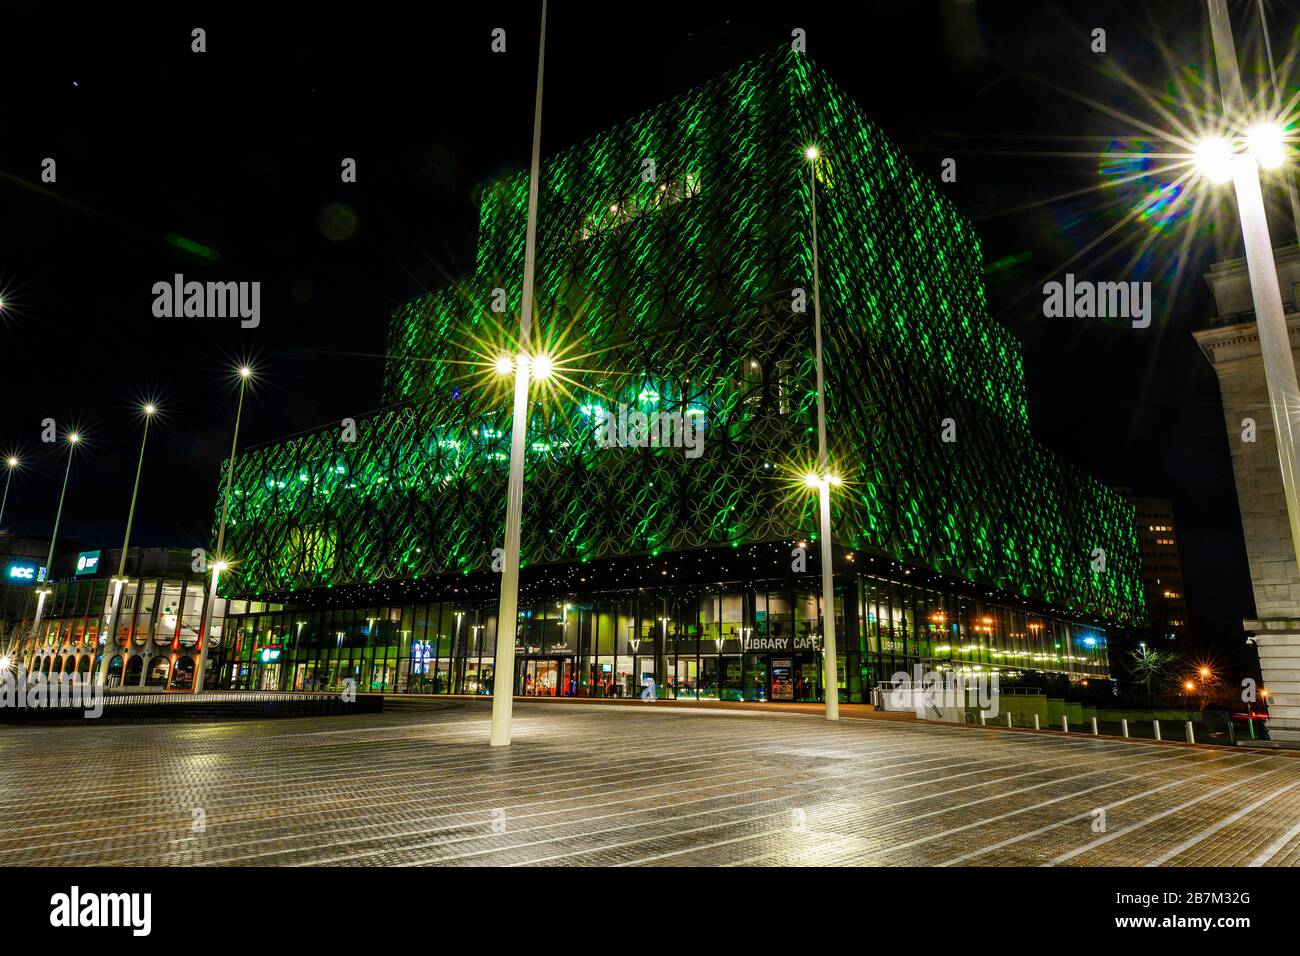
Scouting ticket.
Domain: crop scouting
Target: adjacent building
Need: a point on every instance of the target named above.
(675, 293)
(156, 643)
(1231, 343)
(22, 571)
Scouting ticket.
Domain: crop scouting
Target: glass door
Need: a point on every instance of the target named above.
(684, 674)
(708, 683)
(783, 678)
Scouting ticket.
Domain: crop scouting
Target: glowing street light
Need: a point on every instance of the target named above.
(540, 367)
(1213, 158)
(245, 375)
(503, 686)
(73, 438)
(149, 409)
(823, 478)
(1267, 144)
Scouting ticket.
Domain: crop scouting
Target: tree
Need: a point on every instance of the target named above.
(1152, 668)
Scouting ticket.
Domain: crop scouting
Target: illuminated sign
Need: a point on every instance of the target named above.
(23, 572)
(421, 653)
(270, 655)
(88, 562)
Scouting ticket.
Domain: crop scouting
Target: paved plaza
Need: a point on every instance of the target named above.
(598, 784)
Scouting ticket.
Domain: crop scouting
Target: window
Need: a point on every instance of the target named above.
(624, 209)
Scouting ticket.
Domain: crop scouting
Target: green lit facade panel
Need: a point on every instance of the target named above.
(680, 294)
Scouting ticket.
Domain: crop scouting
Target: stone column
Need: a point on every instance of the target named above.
(1278, 640)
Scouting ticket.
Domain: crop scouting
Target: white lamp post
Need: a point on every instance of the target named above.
(1221, 160)
(73, 438)
(823, 479)
(503, 687)
(119, 582)
(219, 565)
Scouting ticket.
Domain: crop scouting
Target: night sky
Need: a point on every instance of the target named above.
(238, 149)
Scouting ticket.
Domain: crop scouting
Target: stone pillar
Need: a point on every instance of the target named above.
(1278, 641)
(1232, 346)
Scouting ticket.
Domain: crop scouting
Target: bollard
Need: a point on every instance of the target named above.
(1036, 722)
(1123, 723)
(1156, 724)
(1094, 726)
(1009, 723)
(1065, 723)
(1191, 734)
(981, 718)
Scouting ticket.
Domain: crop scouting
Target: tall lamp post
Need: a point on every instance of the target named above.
(11, 463)
(219, 563)
(823, 478)
(73, 439)
(539, 367)
(119, 582)
(1221, 160)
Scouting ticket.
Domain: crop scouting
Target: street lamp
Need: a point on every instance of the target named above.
(148, 410)
(823, 479)
(508, 607)
(1219, 159)
(1267, 144)
(245, 373)
(73, 439)
(11, 463)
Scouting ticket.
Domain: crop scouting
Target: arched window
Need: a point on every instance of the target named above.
(159, 669)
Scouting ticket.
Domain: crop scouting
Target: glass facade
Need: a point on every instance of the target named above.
(680, 298)
(719, 642)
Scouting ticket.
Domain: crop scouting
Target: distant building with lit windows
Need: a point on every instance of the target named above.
(1162, 571)
(685, 290)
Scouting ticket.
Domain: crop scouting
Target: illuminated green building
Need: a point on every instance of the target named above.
(675, 277)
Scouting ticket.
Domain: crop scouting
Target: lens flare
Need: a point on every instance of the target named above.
(1214, 159)
(1267, 144)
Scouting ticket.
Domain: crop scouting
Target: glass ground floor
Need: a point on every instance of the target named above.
(753, 641)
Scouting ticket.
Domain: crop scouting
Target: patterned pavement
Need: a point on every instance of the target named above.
(591, 784)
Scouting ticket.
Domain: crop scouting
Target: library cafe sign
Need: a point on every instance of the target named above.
(783, 643)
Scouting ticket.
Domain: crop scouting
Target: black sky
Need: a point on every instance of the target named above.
(239, 148)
